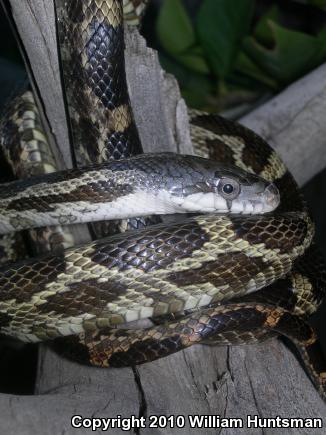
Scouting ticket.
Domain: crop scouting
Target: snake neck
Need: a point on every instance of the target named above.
(91, 47)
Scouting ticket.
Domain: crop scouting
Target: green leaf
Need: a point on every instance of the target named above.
(196, 100)
(246, 66)
(294, 53)
(185, 77)
(194, 62)
(196, 88)
(221, 25)
(174, 28)
(262, 31)
(177, 37)
(194, 59)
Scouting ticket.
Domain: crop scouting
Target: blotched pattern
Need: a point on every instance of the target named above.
(26, 149)
(92, 53)
(165, 270)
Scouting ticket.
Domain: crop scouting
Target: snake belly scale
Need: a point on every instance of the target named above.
(225, 279)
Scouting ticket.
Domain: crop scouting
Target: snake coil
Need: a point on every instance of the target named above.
(210, 278)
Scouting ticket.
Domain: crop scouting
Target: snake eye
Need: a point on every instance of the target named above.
(228, 188)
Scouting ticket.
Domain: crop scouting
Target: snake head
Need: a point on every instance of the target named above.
(248, 194)
(211, 187)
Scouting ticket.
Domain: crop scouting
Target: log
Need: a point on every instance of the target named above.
(265, 379)
(293, 123)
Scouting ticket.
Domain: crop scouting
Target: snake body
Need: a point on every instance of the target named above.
(225, 278)
(28, 153)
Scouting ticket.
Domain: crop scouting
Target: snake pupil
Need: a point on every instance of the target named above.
(228, 189)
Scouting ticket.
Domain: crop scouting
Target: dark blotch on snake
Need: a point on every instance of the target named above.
(312, 266)
(92, 193)
(5, 320)
(219, 150)
(10, 136)
(146, 350)
(254, 156)
(55, 177)
(235, 269)
(89, 296)
(91, 136)
(23, 280)
(271, 230)
(95, 81)
(153, 249)
(120, 145)
(277, 294)
(283, 294)
(240, 320)
(73, 11)
(316, 357)
(71, 347)
(103, 45)
(291, 197)
(291, 325)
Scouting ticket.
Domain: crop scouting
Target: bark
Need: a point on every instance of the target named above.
(264, 379)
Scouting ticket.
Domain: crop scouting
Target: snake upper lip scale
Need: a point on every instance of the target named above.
(78, 297)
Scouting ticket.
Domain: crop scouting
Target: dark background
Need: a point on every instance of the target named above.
(18, 361)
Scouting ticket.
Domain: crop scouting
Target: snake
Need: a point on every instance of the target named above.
(240, 266)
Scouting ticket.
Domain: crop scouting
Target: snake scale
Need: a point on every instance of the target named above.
(241, 276)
